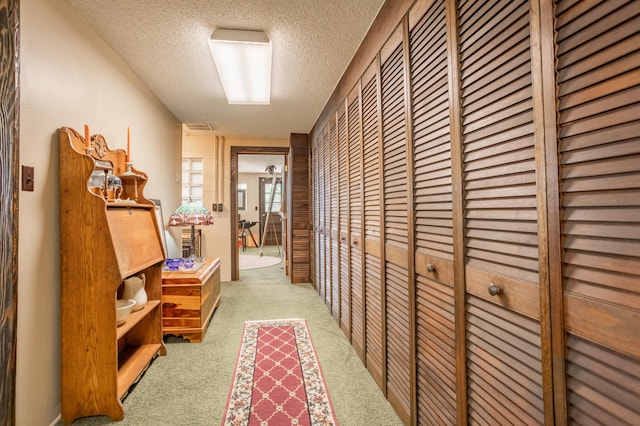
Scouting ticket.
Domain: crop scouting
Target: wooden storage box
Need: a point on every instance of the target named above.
(189, 300)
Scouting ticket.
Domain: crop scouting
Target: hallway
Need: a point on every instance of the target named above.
(190, 385)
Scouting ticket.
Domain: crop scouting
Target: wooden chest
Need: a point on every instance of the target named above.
(189, 300)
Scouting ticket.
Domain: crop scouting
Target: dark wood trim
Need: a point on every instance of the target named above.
(347, 243)
(551, 286)
(382, 250)
(459, 285)
(233, 206)
(411, 220)
(9, 178)
(361, 231)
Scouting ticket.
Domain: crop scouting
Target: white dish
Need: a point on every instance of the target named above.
(123, 310)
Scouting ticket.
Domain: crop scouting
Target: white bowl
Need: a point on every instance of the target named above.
(123, 310)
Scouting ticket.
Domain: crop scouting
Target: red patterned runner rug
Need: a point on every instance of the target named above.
(278, 380)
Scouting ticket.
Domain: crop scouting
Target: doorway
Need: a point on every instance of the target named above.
(249, 205)
(271, 204)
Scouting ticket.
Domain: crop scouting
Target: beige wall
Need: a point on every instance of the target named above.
(70, 77)
(252, 213)
(216, 239)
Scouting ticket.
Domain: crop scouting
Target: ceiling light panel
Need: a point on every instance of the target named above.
(243, 61)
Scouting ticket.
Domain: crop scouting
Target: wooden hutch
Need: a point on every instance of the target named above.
(105, 238)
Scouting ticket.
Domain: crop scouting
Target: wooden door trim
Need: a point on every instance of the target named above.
(549, 244)
(233, 206)
(459, 283)
(9, 147)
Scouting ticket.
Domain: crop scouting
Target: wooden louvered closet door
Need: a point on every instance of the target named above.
(354, 133)
(396, 238)
(503, 357)
(326, 182)
(599, 156)
(343, 221)
(317, 215)
(371, 177)
(334, 208)
(435, 320)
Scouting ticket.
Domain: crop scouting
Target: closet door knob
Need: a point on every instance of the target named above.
(431, 267)
(494, 290)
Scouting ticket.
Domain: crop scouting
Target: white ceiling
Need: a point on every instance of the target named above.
(165, 43)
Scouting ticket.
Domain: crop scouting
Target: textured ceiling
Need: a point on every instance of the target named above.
(165, 43)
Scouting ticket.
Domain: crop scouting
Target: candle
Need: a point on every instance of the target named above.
(128, 144)
(87, 138)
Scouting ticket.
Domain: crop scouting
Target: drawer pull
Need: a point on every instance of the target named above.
(494, 290)
(431, 267)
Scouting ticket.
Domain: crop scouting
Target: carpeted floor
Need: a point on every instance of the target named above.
(189, 386)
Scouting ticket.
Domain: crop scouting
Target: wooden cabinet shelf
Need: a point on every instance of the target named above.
(136, 317)
(132, 363)
(108, 232)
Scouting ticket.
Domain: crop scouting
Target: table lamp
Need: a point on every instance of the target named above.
(191, 214)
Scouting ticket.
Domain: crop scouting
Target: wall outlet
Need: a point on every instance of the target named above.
(220, 207)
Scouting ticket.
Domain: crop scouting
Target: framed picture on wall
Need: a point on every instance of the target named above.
(242, 199)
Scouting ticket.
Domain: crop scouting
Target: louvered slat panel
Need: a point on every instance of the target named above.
(371, 189)
(397, 329)
(599, 128)
(503, 365)
(373, 317)
(436, 353)
(355, 223)
(317, 207)
(320, 253)
(436, 374)
(499, 157)
(395, 232)
(343, 196)
(395, 155)
(432, 152)
(335, 225)
(601, 164)
(327, 216)
(371, 173)
(603, 385)
(300, 243)
(503, 357)
(299, 262)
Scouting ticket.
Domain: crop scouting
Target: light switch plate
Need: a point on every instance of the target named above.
(27, 178)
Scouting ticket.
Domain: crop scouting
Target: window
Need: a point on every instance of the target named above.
(265, 194)
(242, 196)
(192, 180)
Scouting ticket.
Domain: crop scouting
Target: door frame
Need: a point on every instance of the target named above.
(233, 222)
(9, 179)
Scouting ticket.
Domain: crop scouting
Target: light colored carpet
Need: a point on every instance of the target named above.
(190, 386)
(255, 262)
